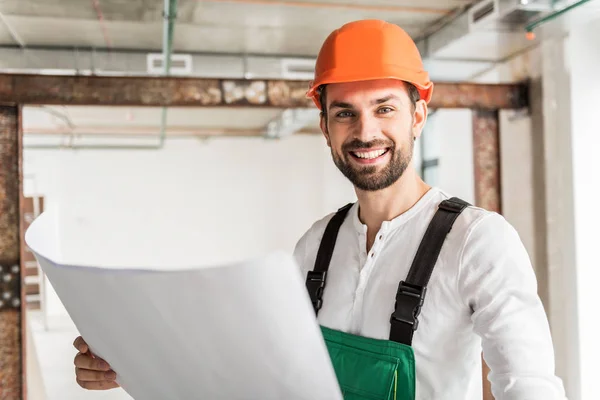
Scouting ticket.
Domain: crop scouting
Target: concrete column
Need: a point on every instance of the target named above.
(552, 133)
(584, 58)
(11, 294)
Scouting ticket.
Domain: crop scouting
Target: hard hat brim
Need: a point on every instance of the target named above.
(386, 72)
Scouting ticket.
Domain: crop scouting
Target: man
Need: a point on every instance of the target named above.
(468, 288)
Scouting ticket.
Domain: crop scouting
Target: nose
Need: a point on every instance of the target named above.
(367, 127)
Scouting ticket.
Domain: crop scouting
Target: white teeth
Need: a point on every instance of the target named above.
(369, 154)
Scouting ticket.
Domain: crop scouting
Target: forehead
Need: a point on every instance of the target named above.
(365, 91)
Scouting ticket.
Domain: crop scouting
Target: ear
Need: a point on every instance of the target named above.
(419, 118)
(323, 124)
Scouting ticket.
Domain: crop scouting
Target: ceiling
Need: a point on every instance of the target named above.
(251, 38)
(44, 33)
(220, 26)
(226, 39)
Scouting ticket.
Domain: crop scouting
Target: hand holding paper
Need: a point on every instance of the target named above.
(92, 373)
(240, 331)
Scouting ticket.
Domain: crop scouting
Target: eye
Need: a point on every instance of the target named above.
(344, 114)
(385, 110)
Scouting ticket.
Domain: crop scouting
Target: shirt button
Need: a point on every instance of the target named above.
(380, 237)
(372, 255)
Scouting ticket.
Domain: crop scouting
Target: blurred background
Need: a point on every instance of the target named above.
(240, 169)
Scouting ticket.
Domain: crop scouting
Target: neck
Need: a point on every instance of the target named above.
(386, 204)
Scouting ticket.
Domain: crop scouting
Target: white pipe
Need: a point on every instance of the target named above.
(17, 38)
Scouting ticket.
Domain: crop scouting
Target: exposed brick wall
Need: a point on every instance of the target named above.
(10, 278)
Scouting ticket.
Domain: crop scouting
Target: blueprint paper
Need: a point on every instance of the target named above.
(238, 331)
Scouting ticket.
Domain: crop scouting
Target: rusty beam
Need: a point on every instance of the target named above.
(11, 296)
(488, 190)
(205, 92)
(480, 96)
(486, 157)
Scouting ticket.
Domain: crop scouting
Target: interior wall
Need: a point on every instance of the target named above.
(211, 202)
(517, 179)
(455, 139)
(559, 219)
(192, 203)
(584, 58)
(448, 135)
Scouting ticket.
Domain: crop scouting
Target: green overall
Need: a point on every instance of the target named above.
(377, 369)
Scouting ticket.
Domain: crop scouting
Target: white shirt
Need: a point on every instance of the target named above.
(482, 294)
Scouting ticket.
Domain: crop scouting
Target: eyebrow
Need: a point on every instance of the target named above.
(340, 104)
(386, 99)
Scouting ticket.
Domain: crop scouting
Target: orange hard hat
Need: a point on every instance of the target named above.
(366, 50)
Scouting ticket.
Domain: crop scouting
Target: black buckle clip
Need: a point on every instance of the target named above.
(409, 301)
(452, 205)
(315, 283)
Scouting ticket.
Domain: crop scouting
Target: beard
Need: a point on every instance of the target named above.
(372, 178)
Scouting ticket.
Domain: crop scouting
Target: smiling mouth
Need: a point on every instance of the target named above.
(369, 155)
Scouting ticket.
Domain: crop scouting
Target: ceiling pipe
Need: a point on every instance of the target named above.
(86, 147)
(100, 16)
(169, 16)
(291, 121)
(362, 7)
(62, 116)
(256, 134)
(13, 33)
(145, 132)
(531, 26)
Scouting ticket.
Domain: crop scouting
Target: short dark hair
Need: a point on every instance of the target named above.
(413, 95)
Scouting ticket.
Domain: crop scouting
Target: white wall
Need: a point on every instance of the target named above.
(191, 203)
(584, 59)
(448, 135)
(219, 201)
(517, 178)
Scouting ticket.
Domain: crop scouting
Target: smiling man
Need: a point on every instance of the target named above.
(410, 284)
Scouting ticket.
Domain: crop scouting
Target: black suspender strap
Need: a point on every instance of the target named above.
(315, 280)
(411, 293)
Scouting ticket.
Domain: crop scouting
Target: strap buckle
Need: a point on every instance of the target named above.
(452, 205)
(315, 284)
(409, 301)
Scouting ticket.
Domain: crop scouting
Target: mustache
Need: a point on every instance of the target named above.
(359, 144)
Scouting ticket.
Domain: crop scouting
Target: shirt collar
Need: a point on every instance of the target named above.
(401, 219)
